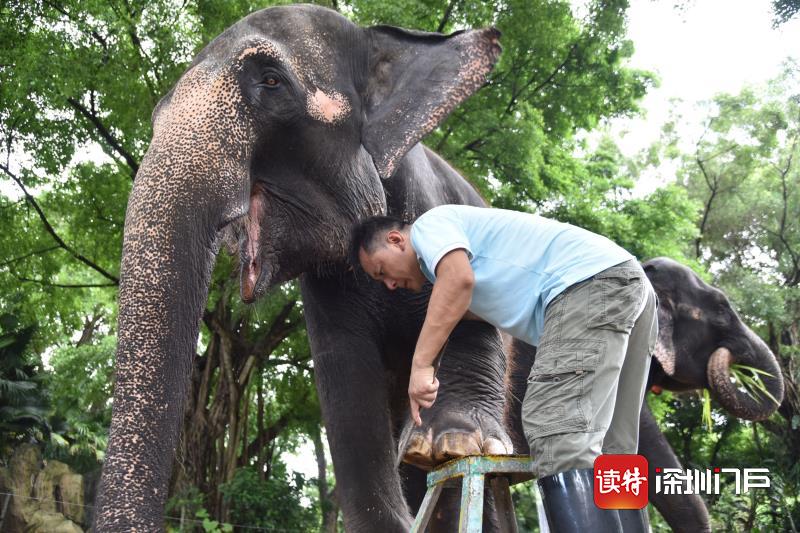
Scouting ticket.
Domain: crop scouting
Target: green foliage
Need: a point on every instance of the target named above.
(191, 500)
(601, 199)
(80, 386)
(272, 503)
(784, 10)
(743, 172)
(750, 379)
(78, 81)
(212, 526)
(524, 496)
(23, 406)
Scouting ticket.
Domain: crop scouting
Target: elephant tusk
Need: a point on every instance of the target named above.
(720, 362)
(728, 394)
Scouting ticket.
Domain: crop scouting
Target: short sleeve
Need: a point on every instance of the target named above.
(436, 233)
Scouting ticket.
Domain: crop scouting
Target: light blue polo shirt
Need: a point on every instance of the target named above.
(521, 261)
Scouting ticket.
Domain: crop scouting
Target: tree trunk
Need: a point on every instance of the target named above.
(215, 440)
(260, 427)
(244, 457)
(327, 499)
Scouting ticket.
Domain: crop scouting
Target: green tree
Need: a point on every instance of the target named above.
(743, 172)
(784, 10)
(273, 503)
(602, 199)
(78, 81)
(79, 386)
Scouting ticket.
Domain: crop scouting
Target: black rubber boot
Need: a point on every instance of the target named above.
(568, 500)
(634, 520)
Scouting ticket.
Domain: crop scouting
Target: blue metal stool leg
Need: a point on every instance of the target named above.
(471, 518)
(427, 507)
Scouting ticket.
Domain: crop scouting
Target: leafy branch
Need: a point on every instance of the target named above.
(105, 134)
(49, 228)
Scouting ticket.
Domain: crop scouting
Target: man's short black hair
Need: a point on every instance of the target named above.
(367, 234)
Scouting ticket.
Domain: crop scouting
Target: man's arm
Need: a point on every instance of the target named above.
(450, 299)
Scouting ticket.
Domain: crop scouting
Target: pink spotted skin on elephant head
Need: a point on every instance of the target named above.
(287, 128)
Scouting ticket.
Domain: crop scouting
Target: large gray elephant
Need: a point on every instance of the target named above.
(700, 336)
(286, 129)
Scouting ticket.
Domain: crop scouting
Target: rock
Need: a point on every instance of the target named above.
(72, 492)
(22, 471)
(48, 499)
(60, 491)
(49, 522)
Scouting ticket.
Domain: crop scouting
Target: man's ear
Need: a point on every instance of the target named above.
(394, 237)
(415, 80)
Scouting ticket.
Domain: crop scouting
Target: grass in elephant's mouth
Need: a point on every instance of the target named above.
(749, 379)
(706, 399)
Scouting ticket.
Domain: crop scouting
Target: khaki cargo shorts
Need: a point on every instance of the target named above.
(586, 387)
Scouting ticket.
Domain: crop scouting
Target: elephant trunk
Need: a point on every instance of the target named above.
(751, 404)
(168, 254)
(192, 182)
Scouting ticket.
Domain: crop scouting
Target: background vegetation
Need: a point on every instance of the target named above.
(78, 80)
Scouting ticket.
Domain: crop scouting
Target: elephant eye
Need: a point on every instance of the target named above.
(271, 81)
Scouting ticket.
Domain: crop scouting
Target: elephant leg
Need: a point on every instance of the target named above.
(467, 418)
(520, 359)
(352, 388)
(414, 485)
(683, 512)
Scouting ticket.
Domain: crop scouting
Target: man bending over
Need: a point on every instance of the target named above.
(582, 300)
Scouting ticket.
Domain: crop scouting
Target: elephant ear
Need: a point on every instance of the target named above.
(415, 80)
(665, 347)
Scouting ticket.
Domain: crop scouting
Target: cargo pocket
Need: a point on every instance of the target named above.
(615, 298)
(558, 397)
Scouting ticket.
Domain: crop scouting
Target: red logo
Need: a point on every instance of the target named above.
(620, 481)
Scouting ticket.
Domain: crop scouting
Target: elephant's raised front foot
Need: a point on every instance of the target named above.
(448, 434)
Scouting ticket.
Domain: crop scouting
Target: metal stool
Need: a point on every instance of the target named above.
(502, 471)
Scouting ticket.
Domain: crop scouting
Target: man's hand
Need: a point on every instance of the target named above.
(422, 388)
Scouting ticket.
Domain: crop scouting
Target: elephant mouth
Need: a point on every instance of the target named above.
(253, 274)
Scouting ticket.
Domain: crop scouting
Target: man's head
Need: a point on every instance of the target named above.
(382, 246)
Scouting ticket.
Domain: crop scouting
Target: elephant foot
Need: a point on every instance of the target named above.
(447, 434)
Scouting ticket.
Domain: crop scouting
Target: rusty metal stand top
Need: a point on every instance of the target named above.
(502, 471)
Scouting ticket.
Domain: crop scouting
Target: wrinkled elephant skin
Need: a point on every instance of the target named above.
(286, 129)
